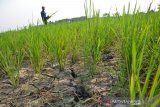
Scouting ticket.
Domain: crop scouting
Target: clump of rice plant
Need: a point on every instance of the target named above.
(75, 45)
(94, 39)
(11, 57)
(136, 35)
(59, 48)
(34, 48)
(8, 64)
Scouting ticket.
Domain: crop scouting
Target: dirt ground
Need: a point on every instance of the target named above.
(73, 87)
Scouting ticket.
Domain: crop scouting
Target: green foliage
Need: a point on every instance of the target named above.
(140, 51)
(34, 48)
(11, 57)
(94, 39)
(59, 47)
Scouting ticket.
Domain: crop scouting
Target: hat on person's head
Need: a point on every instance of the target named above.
(43, 7)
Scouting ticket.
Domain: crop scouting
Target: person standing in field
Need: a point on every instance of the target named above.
(43, 15)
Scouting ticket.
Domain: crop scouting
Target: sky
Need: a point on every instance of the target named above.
(20, 13)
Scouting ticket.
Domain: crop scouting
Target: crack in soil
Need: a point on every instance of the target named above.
(73, 87)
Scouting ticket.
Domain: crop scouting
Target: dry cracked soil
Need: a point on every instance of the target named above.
(73, 87)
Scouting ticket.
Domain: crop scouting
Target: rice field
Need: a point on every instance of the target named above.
(136, 39)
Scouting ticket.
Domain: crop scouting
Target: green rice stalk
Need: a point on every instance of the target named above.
(35, 53)
(155, 83)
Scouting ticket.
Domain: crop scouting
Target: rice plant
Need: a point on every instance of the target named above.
(134, 50)
(59, 49)
(75, 38)
(11, 57)
(94, 39)
(34, 48)
(8, 64)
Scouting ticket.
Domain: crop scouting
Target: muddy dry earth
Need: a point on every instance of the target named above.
(71, 88)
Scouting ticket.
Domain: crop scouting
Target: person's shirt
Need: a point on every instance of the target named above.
(43, 15)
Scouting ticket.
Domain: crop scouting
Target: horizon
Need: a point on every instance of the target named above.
(22, 13)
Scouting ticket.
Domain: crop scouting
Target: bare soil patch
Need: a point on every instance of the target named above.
(73, 87)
